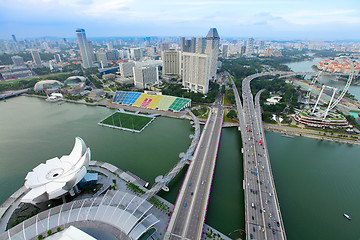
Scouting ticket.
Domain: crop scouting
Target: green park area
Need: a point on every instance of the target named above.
(129, 121)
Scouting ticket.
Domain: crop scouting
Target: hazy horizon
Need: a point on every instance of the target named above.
(260, 19)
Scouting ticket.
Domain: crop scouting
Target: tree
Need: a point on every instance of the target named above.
(232, 114)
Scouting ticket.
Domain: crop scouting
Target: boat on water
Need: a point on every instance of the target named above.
(347, 216)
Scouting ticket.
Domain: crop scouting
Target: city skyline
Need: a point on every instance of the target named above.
(277, 19)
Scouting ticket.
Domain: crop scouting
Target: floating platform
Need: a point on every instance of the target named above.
(128, 121)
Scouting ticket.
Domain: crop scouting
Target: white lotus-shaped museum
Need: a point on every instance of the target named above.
(57, 176)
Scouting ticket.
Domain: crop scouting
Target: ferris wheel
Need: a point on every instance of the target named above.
(333, 101)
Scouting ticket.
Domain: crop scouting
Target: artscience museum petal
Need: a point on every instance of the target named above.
(57, 176)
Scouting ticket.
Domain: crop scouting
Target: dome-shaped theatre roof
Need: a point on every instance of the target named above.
(47, 85)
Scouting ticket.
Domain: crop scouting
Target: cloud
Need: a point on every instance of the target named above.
(206, 3)
(321, 17)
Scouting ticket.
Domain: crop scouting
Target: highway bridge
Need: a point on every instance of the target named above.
(10, 94)
(262, 212)
(188, 218)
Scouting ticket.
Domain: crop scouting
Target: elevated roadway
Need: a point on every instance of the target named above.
(187, 220)
(262, 212)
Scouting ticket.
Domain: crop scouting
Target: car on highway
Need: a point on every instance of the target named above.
(185, 204)
(273, 231)
(251, 236)
(189, 184)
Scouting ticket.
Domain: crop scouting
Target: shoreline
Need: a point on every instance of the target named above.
(104, 103)
(308, 133)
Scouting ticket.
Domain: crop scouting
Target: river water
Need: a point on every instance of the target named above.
(306, 66)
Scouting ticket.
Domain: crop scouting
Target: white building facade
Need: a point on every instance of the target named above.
(145, 75)
(126, 69)
(171, 62)
(196, 71)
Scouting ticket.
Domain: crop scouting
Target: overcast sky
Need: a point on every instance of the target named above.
(261, 19)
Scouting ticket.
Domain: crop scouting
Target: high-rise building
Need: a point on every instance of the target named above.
(164, 46)
(18, 61)
(212, 49)
(225, 51)
(249, 47)
(136, 53)
(57, 58)
(200, 45)
(101, 58)
(145, 75)
(126, 69)
(91, 51)
(86, 52)
(196, 71)
(14, 38)
(36, 57)
(188, 45)
(262, 46)
(171, 62)
(242, 50)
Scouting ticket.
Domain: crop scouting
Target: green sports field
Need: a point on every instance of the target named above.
(125, 120)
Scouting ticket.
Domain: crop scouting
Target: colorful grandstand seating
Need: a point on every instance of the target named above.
(165, 102)
(161, 102)
(120, 97)
(131, 98)
(155, 100)
(140, 100)
(178, 104)
(146, 102)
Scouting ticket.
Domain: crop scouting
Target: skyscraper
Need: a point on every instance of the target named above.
(101, 58)
(91, 51)
(225, 51)
(195, 73)
(14, 38)
(57, 58)
(200, 45)
(212, 49)
(36, 57)
(249, 47)
(171, 62)
(136, 53)
(85, 51)
(188, 45)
